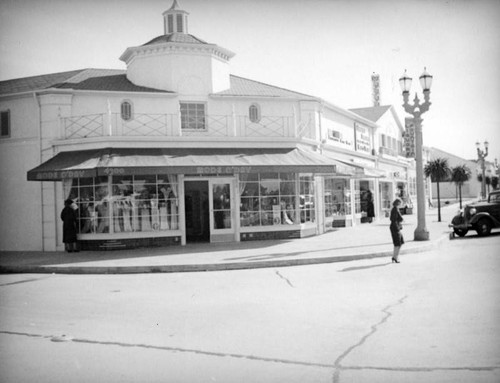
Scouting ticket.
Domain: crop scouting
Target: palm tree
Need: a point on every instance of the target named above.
(460, 174)
(438, 170)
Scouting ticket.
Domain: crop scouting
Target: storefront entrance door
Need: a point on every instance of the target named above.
(197, 211)
(222, 225)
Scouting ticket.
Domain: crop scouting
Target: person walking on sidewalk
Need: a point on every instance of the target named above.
(68, 216)
(396, 227)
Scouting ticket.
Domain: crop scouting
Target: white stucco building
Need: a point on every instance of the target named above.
(176, 149)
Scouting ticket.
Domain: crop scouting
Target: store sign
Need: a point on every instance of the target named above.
(409, 138)
(337, 136)
(363, 142)
(223, 169)
(59, 175)
(114, 171)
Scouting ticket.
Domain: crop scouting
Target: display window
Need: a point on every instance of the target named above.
(386, 196)
(117, 204)
(337, 198)
(222, 205)
(307, 199)
(268, 199)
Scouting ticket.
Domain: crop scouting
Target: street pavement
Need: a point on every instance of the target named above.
(432, 318)
(344, 244)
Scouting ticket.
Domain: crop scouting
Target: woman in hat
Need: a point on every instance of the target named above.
(68, 216)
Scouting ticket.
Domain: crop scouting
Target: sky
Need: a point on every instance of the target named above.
(324, 48)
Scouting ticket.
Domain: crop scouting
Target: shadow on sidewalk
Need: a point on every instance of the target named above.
(331, 250)
(364, 267)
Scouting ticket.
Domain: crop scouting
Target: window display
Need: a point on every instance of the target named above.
(386, 197)
(222, 206)
(119, 204)
(337, 198)
(307, 200)
(268, 199)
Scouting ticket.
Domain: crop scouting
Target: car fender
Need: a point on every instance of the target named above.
(481, 215)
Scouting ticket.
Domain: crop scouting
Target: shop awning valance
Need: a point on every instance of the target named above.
(360, 171)
(220, 161)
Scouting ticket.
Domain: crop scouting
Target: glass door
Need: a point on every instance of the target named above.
(222, 225)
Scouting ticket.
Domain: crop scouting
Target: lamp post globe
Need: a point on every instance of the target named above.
(425, 80)
(405, 82)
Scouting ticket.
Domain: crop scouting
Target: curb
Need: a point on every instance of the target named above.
(212, 266)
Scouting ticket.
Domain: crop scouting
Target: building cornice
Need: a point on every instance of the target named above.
(349, 114)
(169, 48)
(69, 91)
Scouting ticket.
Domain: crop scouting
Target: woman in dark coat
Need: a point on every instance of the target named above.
(68, 216)
(370, 208)
(396, 226)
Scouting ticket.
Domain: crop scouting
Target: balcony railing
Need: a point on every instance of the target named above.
(168, 125)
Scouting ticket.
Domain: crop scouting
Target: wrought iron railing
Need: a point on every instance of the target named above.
(267, 126)
(144, 124)
(157, 125)
(90, 125)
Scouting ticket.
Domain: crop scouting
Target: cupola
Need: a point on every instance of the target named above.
(175, 20)
(177, 61)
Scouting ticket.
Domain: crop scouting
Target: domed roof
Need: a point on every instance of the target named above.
(176, 38)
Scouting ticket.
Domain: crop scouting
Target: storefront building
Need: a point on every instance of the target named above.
(174, 150)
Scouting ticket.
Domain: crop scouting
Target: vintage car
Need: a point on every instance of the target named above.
(481, 216)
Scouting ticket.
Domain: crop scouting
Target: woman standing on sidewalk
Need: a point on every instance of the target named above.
(396, 227)
(68, 216)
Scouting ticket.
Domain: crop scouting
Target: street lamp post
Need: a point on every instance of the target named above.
(481, 155)
(497, 169)
(416, 110)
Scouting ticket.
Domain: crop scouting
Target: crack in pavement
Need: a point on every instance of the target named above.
(284, 278)
(57, 338)
(337, 366)
(374, 328)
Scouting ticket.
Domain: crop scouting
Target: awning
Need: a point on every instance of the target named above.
(110, 161)
(361, 171)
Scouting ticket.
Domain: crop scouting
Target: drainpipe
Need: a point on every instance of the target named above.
(39, 121)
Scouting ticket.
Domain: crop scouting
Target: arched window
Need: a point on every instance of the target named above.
(126, 110)
(254, 113)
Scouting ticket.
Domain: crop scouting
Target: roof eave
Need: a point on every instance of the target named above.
(214, 49)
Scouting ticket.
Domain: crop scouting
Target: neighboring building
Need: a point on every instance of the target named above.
(399, 178)
(175, 149)
(448, 189)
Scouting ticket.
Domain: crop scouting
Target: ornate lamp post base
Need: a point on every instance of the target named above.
(421, 234)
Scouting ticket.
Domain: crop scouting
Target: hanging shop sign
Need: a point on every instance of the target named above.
(362, 137)
(409, 138)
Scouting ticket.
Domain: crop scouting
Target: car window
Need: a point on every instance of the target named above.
(495, 198)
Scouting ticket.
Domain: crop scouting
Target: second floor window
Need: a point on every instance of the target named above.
(5, 124)
(126, 110)
(192, 116)
(254, 113)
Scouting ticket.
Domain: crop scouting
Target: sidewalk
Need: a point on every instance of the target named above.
(345, 244)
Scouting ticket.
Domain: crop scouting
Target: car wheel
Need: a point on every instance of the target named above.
(460, 232)
(483, 227)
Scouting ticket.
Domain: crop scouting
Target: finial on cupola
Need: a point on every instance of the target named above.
(175, 19)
